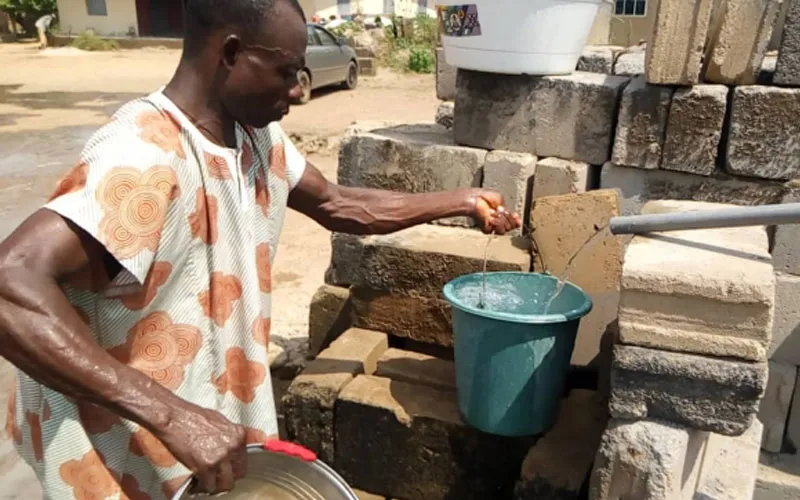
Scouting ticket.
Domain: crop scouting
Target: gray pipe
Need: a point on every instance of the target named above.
(764, 215)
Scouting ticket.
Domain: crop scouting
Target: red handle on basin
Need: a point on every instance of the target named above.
(291, 449)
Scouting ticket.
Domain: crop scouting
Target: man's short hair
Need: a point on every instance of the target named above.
(204, 16)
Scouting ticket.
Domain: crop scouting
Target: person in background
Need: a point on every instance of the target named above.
(42, 27)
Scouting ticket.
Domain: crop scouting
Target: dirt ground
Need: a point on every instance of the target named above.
(52, 101)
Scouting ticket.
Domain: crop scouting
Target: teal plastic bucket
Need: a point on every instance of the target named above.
(512, 359)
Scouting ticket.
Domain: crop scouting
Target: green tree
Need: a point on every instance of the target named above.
(26, 12)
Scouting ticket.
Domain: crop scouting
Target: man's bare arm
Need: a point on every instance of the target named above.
(375, 211)
(44, 336)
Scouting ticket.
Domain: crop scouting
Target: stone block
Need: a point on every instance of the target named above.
(309, 402)
(417, 368)
(555, 176)
(675, 49)
(708, 394)
(570, 116)
(787, 69)
(512, 175)
(778, 477)
(630, 63)
(637, 186)
(730, 466)
(345, 262)
(785, 347)
(328, 317)
(647, 459)
(774, 410)
(444, 114)
(417, 158)
(598, 59)
(642, 124)
(407, 441)
(793, 424)
(698, 291)
(786, 253)
(445, 77)
(738, 36)
(561, 227)
(694, 129)
(763, 133)
(367, 66)
(559, 463)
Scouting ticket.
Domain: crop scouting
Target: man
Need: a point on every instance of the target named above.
(136, 303)
(43, 26)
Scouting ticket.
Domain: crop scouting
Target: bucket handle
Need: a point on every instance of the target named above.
(270, 445)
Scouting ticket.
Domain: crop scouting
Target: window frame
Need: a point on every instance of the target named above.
(98, 8)
(633, 4)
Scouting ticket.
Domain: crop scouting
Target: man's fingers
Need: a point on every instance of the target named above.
(224, 477)
(206, 481)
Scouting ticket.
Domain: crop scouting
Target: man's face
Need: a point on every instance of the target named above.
(263, 79)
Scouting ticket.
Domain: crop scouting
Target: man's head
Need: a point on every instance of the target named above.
(253, 49)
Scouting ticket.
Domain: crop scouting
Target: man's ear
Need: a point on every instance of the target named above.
(230, 50)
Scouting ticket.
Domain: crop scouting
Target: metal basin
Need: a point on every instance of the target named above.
(283, 471)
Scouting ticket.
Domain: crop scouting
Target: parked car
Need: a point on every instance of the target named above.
(329, 61)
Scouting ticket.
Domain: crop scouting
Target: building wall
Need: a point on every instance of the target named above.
(630, 30)
(74, 18)
(326, 8)
(601, 29)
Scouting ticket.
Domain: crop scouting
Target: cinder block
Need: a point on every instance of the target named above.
(778, 477)
(730, 466)
(445, 77)
(774, 409)
(570, 117)
(555, 176)
(694, 129)
(444, 114)
(512, 175)
(698, 291)
(787, 69)
(598, 59)
(407, 441)
(415, 158)
(709, 394)
(559, 463)
(630, 63)
(793, 424)
(738, 36)
(417, 368)
(328, 317)
(786, 252)
(763, 133)
(785, 346)
(561, 226)
(675, 49)
(642, 124)
(637, 186)
(308, 403)
(367, 66)
(647, 459)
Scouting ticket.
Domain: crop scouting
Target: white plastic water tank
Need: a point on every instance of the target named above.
(534, 37)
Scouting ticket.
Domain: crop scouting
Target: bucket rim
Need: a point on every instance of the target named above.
(531, 319)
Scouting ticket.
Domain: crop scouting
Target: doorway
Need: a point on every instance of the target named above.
(160, 18)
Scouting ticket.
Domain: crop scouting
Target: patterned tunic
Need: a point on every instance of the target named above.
(195, 227)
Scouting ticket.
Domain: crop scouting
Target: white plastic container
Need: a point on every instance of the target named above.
(534, 37)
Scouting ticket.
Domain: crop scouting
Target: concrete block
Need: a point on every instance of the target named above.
(512, 175)
(561, 227)
(698, 291)
(738, 36)
(570, 116)
(559, 463)
(417, 368)
(793, 424)
(630, 63)
(637, 186)
(445, 77)
(598, 59)
(675, 49)
(642, 125)
(309, 402)
(787, 69)
(328, 317)
(345, 262)
(407, 441)
(416, 158)
(444, 114)
(778, 477)
(694, 129)
(555, 176)
(763, 133)
(785, 347)
(730, 466)
(367, 66)
(647, 459)
(786, 253)
(774, 410)
(708, 394)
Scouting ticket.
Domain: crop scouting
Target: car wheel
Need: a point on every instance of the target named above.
(352, 76)
(304, 78)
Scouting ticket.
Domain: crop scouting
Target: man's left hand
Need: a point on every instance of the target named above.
(491, 214)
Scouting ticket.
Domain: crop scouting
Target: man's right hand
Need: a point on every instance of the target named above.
(208, 444)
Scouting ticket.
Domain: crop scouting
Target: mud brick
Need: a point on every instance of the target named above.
(328, 317)
(642, 125)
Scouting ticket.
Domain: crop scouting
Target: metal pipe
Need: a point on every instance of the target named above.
(764, 215)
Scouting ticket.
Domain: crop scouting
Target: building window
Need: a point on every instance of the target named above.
(630, 8)
(96, 8)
